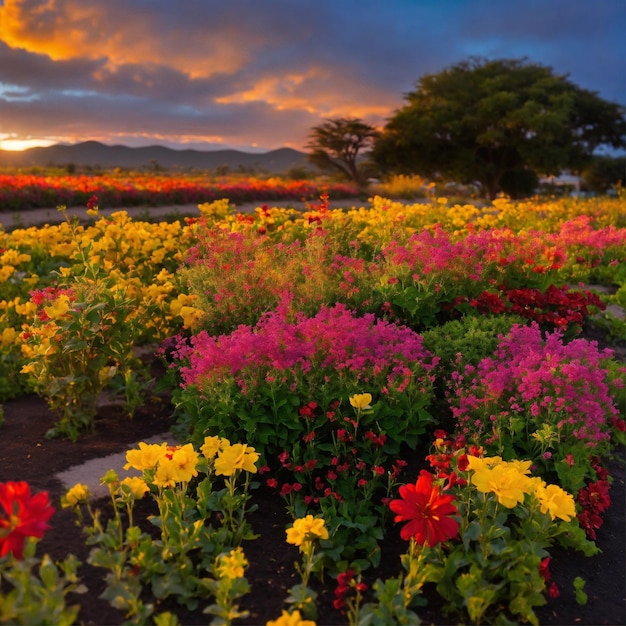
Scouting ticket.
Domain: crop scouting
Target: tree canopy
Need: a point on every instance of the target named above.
(500, 123)
(337, 144)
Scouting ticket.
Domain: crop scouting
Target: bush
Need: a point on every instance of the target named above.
(248, 385)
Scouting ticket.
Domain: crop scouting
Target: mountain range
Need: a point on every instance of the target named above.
(95, 154)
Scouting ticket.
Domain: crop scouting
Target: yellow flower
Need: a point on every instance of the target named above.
(58, 308)
(361, 401)
(523, 467)
(506, 482)
(306, 529)
(27, 309)
(8, 336)
(181, 300)
(557, 502)
(290, 619)
(478, 463)
(191, 316)
(146, 457)
(166, 475)
(5, 272)
(28, 368)
(236, 457)
(138, 487)
(77, 494)
(185, 458)
(212, 445)
(231, 565)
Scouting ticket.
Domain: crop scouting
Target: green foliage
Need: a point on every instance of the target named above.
(467, 341)
(581, 596)
(34, 589)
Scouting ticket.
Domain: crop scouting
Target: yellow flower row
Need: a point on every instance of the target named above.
(175, 464)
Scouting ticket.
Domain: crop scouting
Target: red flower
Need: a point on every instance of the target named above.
(92, 203)
(426, 511)
(463, 462)
(544, 569)
(21, 515)
(553, 590)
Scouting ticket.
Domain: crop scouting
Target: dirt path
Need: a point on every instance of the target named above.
(39, 217)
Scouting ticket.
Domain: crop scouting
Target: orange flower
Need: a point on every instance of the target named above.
(427, 512)
(22, 515)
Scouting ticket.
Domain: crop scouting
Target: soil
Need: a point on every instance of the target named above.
(28, 455)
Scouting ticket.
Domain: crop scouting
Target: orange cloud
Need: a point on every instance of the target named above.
(66, 29)
(314, 92)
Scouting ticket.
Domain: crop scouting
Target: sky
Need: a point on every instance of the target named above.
(256, 75)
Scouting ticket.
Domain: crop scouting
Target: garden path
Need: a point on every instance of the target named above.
(38, 217)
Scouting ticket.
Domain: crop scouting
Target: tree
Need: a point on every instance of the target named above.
(337, 144)
(604, 172)
(500, 123)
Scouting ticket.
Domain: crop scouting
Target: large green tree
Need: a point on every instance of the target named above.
(499, 123)
(338, 145)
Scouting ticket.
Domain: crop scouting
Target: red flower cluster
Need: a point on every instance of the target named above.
(556, 307)
(594, 500)
(346, 582)
(22, 515)
(308, 410)
(43, 297)
(451, 455)
(544, 572)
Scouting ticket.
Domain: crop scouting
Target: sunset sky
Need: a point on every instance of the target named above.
(259, 74)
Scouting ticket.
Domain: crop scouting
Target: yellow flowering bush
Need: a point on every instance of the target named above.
(201, 524)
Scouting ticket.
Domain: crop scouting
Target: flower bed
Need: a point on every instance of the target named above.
(21, 191)
(319, 369)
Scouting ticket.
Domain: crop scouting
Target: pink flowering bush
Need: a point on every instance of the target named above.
(539, 398)
(248, 385)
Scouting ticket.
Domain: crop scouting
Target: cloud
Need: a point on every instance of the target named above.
(245, 72)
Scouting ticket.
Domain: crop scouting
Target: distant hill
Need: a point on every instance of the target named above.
(95, 154)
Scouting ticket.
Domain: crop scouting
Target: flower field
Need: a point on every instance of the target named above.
(26, 191)
(411, 370)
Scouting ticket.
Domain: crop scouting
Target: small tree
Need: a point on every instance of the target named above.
(500, 123)
(604, 172)
(338, 144)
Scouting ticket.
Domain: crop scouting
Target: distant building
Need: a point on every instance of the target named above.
(564, 182)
